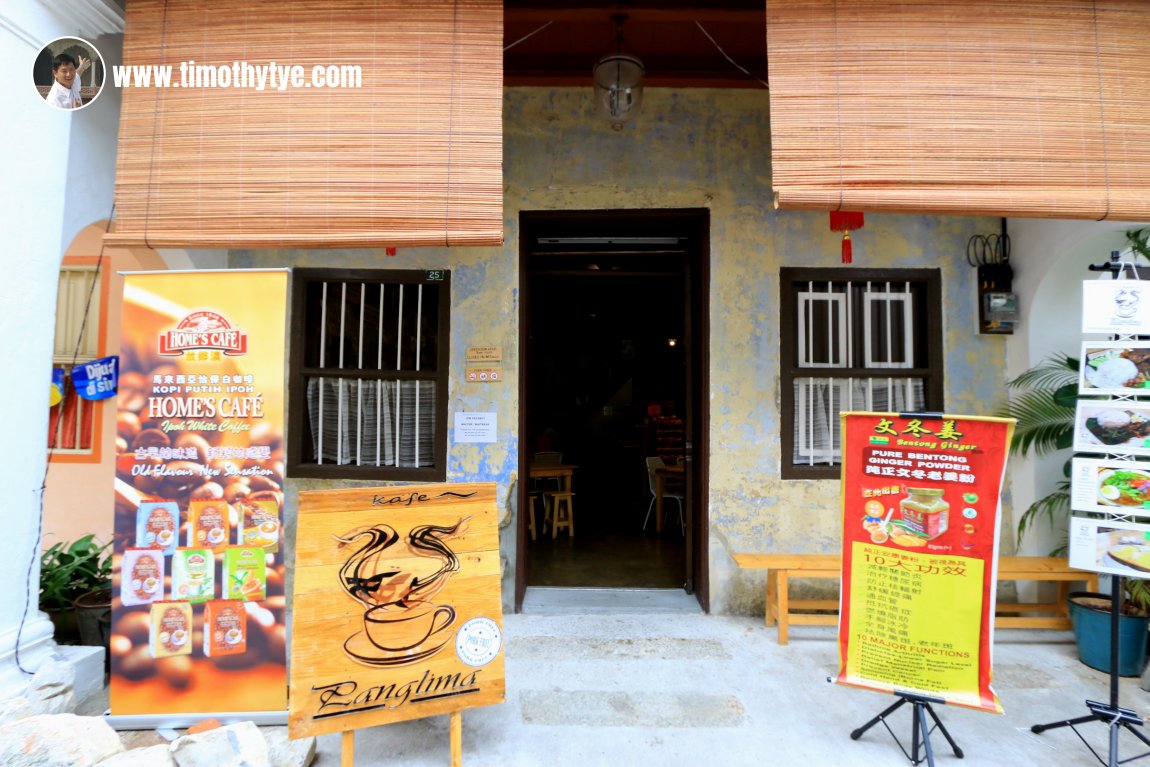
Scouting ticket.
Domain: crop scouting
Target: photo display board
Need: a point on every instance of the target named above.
(1113, 487)
(198, 567)
(397, 612)
(921, 515)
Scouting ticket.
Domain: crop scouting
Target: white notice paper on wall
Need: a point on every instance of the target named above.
(475, 427)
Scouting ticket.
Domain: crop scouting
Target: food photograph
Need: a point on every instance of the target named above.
(1121, 368)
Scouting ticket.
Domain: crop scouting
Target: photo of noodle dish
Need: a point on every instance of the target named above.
(1124, 487)
(1115, 368)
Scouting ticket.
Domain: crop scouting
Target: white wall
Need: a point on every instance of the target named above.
(38, 214)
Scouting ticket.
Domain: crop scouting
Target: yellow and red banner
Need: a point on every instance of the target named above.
(920, 501)
(198, 568)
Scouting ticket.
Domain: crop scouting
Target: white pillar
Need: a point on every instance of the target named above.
(37, 147)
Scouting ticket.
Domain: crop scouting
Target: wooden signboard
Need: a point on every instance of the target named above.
(397, 611)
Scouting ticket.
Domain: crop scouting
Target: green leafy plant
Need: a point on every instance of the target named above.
(68, 570)
(1137, 240)
(1045, 424)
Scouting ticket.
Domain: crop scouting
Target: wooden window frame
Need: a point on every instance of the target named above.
(792, 281)
(298, 431)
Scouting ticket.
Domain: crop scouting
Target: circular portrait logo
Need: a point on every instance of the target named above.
(478, 641)
(68, 73)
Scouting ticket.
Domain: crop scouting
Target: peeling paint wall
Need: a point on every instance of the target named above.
(689, 149)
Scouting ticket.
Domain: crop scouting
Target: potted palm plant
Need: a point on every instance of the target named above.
(76, 589)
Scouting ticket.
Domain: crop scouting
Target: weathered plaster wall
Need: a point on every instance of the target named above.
(701, 148)
(689, 149)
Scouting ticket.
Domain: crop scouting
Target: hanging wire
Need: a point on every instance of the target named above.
(728, 58)
(52, 445)
(984, 250)
(526, 36)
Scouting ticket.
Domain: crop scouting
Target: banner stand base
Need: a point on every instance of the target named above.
(920, 729)
(1114, 716)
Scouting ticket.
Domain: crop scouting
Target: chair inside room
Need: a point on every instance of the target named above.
(541, 487)
(669, 491)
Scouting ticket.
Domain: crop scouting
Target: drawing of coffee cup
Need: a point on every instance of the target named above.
(397, 631)
(232, 636)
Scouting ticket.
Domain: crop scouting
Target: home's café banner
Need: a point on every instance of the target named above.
(396, 606)
(920, 500)
(198, 572)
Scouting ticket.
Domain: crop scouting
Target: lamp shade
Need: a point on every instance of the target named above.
(618, 87)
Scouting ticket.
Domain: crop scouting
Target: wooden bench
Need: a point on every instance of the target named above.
(782, 567)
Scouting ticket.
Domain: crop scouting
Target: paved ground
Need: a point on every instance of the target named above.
(643, 679)
(668, 686)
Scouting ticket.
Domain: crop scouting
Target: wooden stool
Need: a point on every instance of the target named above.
(531, 499)
(563, 515)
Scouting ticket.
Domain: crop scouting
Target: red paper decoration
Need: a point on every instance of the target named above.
(844, 221)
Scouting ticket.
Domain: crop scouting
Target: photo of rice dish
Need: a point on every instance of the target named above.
(1116, 368)
(1112, 426)
(1114, 373)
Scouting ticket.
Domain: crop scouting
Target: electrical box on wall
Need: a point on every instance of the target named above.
(997, 305)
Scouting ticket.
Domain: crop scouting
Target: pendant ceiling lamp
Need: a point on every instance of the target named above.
(618, 82)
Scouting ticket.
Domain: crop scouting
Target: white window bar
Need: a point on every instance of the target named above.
(359, 420)
(849, 325)
(339, 433)
(418, 344)
(837, 319)
(379, 384)
(322, 364)
(876, 355)
(398, 366)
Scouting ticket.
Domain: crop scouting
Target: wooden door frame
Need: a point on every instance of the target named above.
(697, 222)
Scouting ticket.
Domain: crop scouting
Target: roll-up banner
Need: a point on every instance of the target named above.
(198, 570)
(920, 501)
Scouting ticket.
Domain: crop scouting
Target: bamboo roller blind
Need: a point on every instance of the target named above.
(412, 157)
(1034, 109)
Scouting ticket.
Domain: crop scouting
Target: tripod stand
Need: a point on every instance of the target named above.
(920, 729)
(1110, 713)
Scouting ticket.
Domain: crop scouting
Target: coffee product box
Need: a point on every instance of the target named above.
(209, 524)
(170, 629)
(259, 524)
(141, 576)
(245, 573)
(225, 627)
(157, 525)
(193, 575)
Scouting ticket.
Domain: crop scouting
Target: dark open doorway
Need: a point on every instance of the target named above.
(613, 365)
